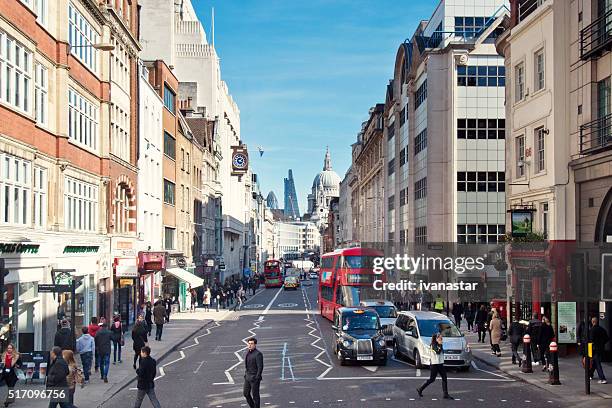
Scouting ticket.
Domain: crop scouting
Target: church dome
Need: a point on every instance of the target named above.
(327, 178)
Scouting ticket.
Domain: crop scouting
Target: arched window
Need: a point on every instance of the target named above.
(122, 208)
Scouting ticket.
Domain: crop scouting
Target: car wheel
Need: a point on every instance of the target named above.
(340, 358)
(417, 359)
(396, 351)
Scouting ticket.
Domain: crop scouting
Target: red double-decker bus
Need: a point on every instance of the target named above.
(346, 278)
(273, 273)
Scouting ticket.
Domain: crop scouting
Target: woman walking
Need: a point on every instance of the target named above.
(206, 299)
(516, 333)
(546, 335)
(496, 333)
(117, 338)
(139, 338)
(437, 366)
(75, 375)
(149, 317)
(469, 315)
(481, 324)
(12, 361)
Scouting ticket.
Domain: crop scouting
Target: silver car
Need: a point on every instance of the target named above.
(412, 334)
(387, 313)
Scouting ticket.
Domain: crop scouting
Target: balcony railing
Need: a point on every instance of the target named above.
(596, 38)
(526, 7)
(596, 135)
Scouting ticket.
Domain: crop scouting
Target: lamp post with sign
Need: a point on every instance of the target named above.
(64, 281)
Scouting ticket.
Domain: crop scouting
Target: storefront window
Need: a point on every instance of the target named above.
(25, 320)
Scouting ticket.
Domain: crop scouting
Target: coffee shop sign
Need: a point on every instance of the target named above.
(18, 248)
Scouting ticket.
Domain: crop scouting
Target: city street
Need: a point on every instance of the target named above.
(300, 373)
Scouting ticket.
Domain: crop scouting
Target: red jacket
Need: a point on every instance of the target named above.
(92, 329)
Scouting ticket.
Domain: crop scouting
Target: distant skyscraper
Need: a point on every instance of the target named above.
(271, 201)
(291, 202)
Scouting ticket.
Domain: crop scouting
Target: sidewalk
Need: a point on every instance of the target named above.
(571, 373)
(181, 327)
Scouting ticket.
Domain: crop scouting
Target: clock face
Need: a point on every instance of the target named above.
(240, 161)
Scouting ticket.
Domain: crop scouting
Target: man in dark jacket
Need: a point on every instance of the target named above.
(103, 346)
(147, 369)
(516, 333)
(159, 316)
(533, 330)
(57, 374)
(599, 337)
(63, 337)
(481, 323)
(253, 363)
(457, 312)
(546, 335)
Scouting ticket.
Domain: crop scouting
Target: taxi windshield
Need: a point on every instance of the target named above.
(385, 312)
(428, 328)
(362, 321)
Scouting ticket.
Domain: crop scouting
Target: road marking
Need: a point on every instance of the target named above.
(253, 306)
(418, 372)
(290, 369)
(287, 305)
(375, 378)
(199, 366)
(475, 367)
(310, 321)
(161, 369)
(370, 368)
(401, 361)
(260, 318)
(195, 339)
(265, 312)
(283, 362)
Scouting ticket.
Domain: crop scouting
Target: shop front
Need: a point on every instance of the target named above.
(150, 265)
(177, 280)
(125, 279)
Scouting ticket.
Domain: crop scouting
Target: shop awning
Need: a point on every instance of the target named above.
(185, 276)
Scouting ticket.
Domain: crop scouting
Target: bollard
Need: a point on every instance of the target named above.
(526, 367)
(553, 377)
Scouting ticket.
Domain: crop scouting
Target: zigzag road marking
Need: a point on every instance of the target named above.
(312, 332)
(195, 339)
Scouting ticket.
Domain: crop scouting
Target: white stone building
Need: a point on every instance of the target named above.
(325, 186)
(296, 236)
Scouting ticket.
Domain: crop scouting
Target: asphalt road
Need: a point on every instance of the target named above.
(300, 371)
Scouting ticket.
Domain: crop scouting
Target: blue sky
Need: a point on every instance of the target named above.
(305, 73)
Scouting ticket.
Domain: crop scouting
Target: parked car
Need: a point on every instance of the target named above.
(387, 313)
(358, 336)
(412, 334)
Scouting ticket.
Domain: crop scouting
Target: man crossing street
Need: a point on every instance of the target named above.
(253, 363)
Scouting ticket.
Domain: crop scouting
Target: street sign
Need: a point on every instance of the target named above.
(53, 288)
(221, 267)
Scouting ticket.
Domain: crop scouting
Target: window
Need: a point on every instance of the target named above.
(40, 8)
(390, 131)
(40, 94)
(82, 120)
(15, 189)
(187, 164)
(80, 205)
(544, 211)
(403, 194)
(420, 142)
(15, 75)
(479, 233)
(40, 197)
(182, 197)
(187, 198)
(169, 237)
(391, 166)
(120, 133)
(482, 181)
(472, 128)
(420, 189)
(403, 117)
(82, 37)
(470, 27)
(169, 145)
(540, 149)
(169, 197)
(182, 159)
(122, 208)
(402, 160)
(391, 203)
(420, 235)
(519, 85)
(538, 61)
(520, 156)
(420, 95)
(169, 98)
(482, 75)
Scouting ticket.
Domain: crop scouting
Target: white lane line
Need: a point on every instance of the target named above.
(418, 372)
(290, 369)
(371, 368)
(161, 369)
(195, 339)
(260, 318)
(402, 362)
(475, 367)
(312, 332)
(278, 292)
(199, 366)
(283, 362)
(376, 378)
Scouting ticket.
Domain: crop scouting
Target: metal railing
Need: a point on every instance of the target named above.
(596, 135)
(596, 37)
(526, 7)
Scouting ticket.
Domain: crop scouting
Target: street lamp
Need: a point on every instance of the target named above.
(98, 46)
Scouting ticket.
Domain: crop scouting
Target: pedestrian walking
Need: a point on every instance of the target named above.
(546, 335)
(457, 312)
(147, 369)
(253, 363)
(92, 329)
(117, 338)
(469, 314)
(533, 330)
(75, 375)
(11, 362)
(194, 299)
(139, 337)
(496, 333)
(239, 297)
(439, 304)
(57, 374)
(437, 366)
(516, 333)
(481, 324)
(168, 304)
(103, 345)
(63, 337)
(159, 314)
(149, 317)
(206, 299)
(85, 346)
(599, 337)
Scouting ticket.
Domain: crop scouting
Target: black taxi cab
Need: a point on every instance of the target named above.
(358, 336)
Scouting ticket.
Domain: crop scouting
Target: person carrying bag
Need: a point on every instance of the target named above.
(11, 371)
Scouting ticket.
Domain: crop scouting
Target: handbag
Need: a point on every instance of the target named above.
(122, 340)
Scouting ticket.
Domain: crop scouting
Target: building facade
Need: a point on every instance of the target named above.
(296, 236)
(448, 83)
(325, 186)
(292, 209)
